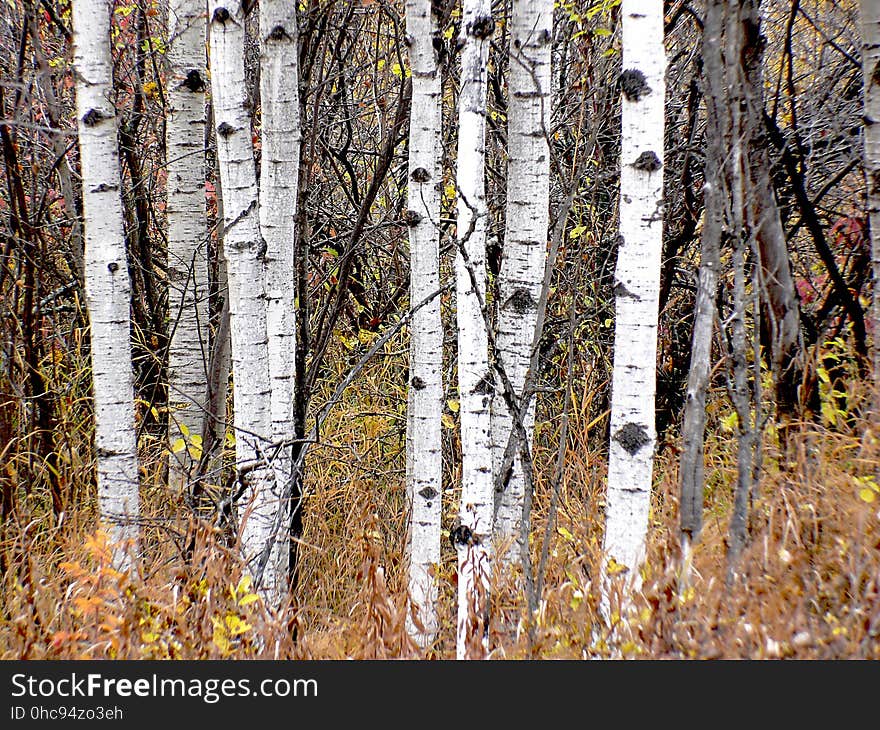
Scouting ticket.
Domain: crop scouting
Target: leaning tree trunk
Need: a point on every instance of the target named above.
(245, 253)
(521, 276)
(107, 283)
(691, 474)
(636, 289)
(424, 407)
(870, 21)
(473, 534)
(187, 239)
(279, 170)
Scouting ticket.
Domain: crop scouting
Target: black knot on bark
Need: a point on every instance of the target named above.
(113, 267)
(648, 161)
(418, 383)
(92, 117)
(620, 290)
(481, 27)
(221, 15)
(225, 129)
(632, 437)
(875, 75)
(194, 81)
(521, 301)
(421, 175)
(462, 535)
(544, 37)
(412, 218)
(278, 33)
(634, 85)
(428, 493)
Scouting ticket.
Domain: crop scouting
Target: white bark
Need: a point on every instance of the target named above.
(107, 283)
(870, 21)
(279, 170)
(423, 465)
(633, 433)
(525, 242)
(474, 534)
(245, 251)
(187, 236)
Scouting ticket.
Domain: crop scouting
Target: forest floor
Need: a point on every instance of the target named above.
(808, 585)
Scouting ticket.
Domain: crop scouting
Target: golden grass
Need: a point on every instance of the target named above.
(809, 586)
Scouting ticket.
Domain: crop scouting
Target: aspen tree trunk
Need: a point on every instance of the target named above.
(691, 474)
(473, 535)
(637, 282)
(423, 465)
(107, 284)
(521, 275)
(279, 171)
(245, 252)
(187, 238)
(870, 22)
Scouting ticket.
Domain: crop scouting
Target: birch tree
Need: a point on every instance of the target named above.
(521, 275)
(279, 170)
(473, 534)
(636, 289)
(245, 253)
(107, 283)
(870, 22)
(425, 391)
(187, 238)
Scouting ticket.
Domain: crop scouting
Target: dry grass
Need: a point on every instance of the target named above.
(809, 586)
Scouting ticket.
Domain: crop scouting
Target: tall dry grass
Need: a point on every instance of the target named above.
(808, 587)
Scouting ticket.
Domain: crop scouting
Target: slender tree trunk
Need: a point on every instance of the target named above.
(782, 317)
(108, 289)
(870, 21)
(521, 275)
(245, 252)
(423, 464)
(279, 170)
(738, 178)
(473, 535)
(636, 289)
(691, 476)
(187, 239)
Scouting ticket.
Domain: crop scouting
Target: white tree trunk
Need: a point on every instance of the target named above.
(245, 252)
(423, 465)
(107, 283)
(633, 434)
(279, 170)
(187, 238)
(870, 21)
(525, 240)
(473, 536)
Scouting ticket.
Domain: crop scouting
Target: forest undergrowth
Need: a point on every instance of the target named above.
(808, 585)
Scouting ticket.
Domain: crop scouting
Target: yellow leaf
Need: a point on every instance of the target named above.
(447, 420)
(221, 637)
(178, 446)
(867, 495)
(237, 626)
(615, 568)
(453, 405)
